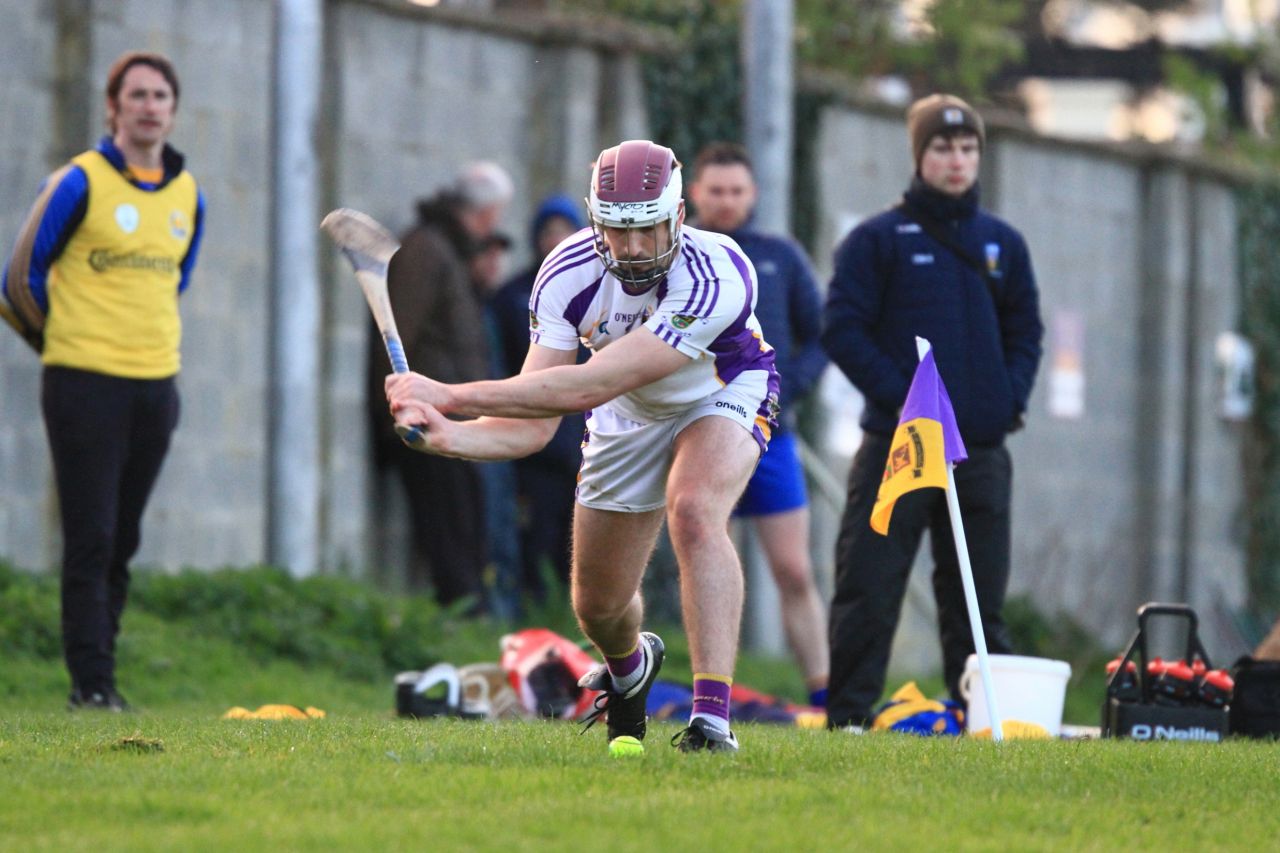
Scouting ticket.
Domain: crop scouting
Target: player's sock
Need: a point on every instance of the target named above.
(627, 670)
(818, 698)
(711, 700)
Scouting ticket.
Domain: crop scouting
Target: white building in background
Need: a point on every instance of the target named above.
(1116, 108)
(1103, 108)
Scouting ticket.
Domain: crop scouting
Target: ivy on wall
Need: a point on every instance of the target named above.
(694, 91)
(806, 190)
(1258, 215)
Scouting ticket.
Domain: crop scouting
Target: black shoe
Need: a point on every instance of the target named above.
(699, 737)
(625, 712)
(97, 700)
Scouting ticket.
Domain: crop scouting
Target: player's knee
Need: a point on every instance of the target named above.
(593, 607)
(691, 519)
(793, 577)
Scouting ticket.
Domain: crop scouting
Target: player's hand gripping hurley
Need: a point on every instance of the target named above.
(369, 247)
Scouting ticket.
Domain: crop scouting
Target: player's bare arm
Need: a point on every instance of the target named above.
(485, 439)
(550, 388)
(482, 440)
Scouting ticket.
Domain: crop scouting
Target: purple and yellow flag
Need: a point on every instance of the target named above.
(925, 442)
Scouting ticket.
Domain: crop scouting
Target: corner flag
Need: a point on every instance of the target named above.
(925, 447)
(926, 441)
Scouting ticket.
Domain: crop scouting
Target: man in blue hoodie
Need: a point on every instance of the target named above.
(940, 267)
(547, 479)
(790, 313)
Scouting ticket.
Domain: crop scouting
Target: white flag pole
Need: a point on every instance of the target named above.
(970, 591)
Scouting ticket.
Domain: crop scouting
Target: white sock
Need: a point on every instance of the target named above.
(719, 725)
(622, 685)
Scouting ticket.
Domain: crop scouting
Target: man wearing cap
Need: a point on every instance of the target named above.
(940, 267)
(545, 480)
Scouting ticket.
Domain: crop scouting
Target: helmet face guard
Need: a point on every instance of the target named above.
(639, 275)
(637, 186)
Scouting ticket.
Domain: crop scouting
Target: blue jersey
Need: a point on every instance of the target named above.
(789, 310)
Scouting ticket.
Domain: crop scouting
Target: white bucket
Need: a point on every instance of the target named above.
(1029, 690)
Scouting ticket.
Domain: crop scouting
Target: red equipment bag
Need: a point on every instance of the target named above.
(543, 668)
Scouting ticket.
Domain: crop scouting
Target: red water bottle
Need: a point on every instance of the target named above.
(1155, 669)
(1126, 687)
(1215, 688)
(1172, 683)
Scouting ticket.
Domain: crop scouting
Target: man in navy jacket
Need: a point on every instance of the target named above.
(546, 480)
(789, 310)
(940, 267)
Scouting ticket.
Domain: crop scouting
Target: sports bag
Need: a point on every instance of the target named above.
(1255, 703)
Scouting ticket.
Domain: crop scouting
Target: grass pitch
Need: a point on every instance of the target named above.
(159, 780)
(173, 775)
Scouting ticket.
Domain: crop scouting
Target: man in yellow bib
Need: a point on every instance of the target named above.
(93, 285)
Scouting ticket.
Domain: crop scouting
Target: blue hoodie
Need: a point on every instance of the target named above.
(893, 282)
(509, 310)
(555, 205)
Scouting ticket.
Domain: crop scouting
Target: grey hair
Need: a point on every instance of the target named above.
(484, 183)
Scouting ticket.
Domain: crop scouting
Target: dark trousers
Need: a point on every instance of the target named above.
(108, 437)
(503, 538)
(872, 572)
(446, 503)
(547, 499)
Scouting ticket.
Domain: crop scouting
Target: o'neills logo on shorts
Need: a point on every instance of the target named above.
(733, 407)
(101, 260)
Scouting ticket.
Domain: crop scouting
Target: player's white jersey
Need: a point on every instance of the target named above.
(703, 308)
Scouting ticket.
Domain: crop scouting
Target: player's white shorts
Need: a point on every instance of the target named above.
(625, 462)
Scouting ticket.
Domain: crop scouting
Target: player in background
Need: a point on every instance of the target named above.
(724, 195)
(681, 396)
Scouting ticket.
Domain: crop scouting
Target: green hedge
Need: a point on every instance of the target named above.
(1258, 217)
(335, 623)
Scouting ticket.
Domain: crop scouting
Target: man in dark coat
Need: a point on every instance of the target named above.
(442, 326)
(546, 480)
(940, 267)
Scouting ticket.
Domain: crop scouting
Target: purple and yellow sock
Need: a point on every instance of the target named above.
(711, 699)
(628, 669)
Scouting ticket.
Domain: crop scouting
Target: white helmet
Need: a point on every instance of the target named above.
(636, 185)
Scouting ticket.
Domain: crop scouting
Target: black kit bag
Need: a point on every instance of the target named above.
(1255, 702)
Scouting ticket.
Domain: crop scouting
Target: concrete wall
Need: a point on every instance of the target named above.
(27, 97)
(207, 507)
(1136, 499)
(410, 95)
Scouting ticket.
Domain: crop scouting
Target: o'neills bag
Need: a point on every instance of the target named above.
(1255, 702)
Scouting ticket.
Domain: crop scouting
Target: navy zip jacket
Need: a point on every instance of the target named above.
(893, 282)
(789, 310)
